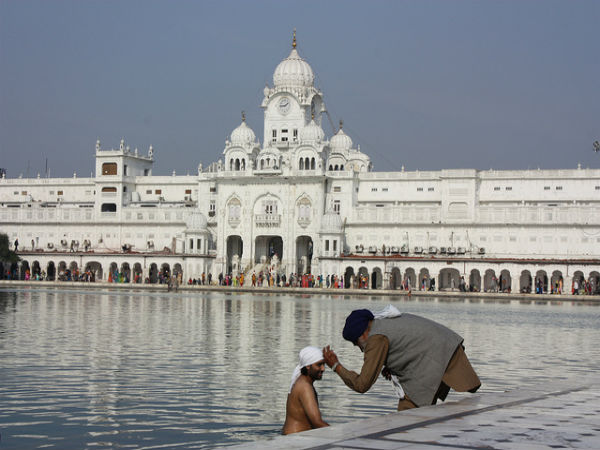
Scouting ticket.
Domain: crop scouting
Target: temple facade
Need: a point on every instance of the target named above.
(303, 202)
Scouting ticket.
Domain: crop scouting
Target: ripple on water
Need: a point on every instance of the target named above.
(153, 371)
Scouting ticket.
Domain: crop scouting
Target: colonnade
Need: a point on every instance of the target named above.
(111, 268)
(475, 276)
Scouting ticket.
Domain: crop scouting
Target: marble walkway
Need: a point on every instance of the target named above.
(549, 418)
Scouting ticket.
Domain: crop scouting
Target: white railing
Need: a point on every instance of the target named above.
(267, 220)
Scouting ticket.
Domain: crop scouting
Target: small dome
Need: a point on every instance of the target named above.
(312, 132)
(196, 221)
(331, 222)
(340, 142)
(243, 135)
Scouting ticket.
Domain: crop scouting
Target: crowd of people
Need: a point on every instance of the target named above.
(274, 279)
(579, 286)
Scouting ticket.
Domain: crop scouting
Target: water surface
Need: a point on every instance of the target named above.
(102, 369)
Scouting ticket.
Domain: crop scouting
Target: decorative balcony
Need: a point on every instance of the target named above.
(304, 221)
(267, 220)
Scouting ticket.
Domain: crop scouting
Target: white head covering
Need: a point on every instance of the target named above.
(387, 313)
(308, 355)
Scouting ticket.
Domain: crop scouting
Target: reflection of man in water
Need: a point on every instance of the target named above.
(302, 408)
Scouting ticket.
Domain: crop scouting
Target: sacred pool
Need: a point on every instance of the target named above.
(139, 370)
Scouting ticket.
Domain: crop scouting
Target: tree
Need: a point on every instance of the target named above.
(7, 255)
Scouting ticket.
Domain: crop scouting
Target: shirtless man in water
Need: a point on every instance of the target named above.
(302, 408)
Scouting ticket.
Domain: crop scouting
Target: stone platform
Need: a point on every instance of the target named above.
(552, 417)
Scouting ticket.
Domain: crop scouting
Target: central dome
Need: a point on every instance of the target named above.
(293, 71)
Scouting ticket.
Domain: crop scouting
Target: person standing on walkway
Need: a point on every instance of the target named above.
(421, 356)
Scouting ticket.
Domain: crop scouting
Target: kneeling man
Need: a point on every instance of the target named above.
(302, 408)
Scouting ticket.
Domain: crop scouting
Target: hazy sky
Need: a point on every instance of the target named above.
(424, 84)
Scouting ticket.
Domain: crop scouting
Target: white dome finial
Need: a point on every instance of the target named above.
(293, 71)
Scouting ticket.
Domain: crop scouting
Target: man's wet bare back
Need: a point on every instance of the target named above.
(302, 408)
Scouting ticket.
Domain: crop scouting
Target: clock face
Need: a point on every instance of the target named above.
(284, 105)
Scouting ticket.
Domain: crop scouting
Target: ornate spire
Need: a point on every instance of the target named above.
(312, 115)
(341, 124)
(243, 116)
(294, 41)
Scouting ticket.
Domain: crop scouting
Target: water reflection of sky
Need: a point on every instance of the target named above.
(99, 370)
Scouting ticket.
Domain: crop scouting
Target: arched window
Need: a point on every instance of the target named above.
(301, 165)
(342, 167)
(306, 163)
(262, 163)
(237, 164)
(231, 164)
(243, 163)
(336, 167)
(312, 164)
(330, 167)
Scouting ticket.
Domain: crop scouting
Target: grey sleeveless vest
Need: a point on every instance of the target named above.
(419, 352)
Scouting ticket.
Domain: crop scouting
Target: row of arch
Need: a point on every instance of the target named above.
(307, 163)
(271, 161)
(489, 281)
(91, 271)
(524, 281)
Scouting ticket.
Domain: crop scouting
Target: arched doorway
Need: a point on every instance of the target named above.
(363, 278)
(490, 282)
(449, 279)
(153, 273)
(73, 272)
(349, 278)
(475, 281)
(578, 282)
(395, 279)
(541, 282)
(51, 271)
(556, 282)
(266, 247)
(113, 273)
(138, 273)
(25, 271)
(95, 270)
(410, 279)
(376, 279)
(525, 281)
(125, 272)
(594, 280)
(178, 272)
(165, 273)
(62, 271)
(304, 254)
(424, 279)
(14, 271)
(505, 281)
(36, 270)
(235, 249)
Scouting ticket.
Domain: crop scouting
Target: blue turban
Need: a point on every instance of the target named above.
(356, 324)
